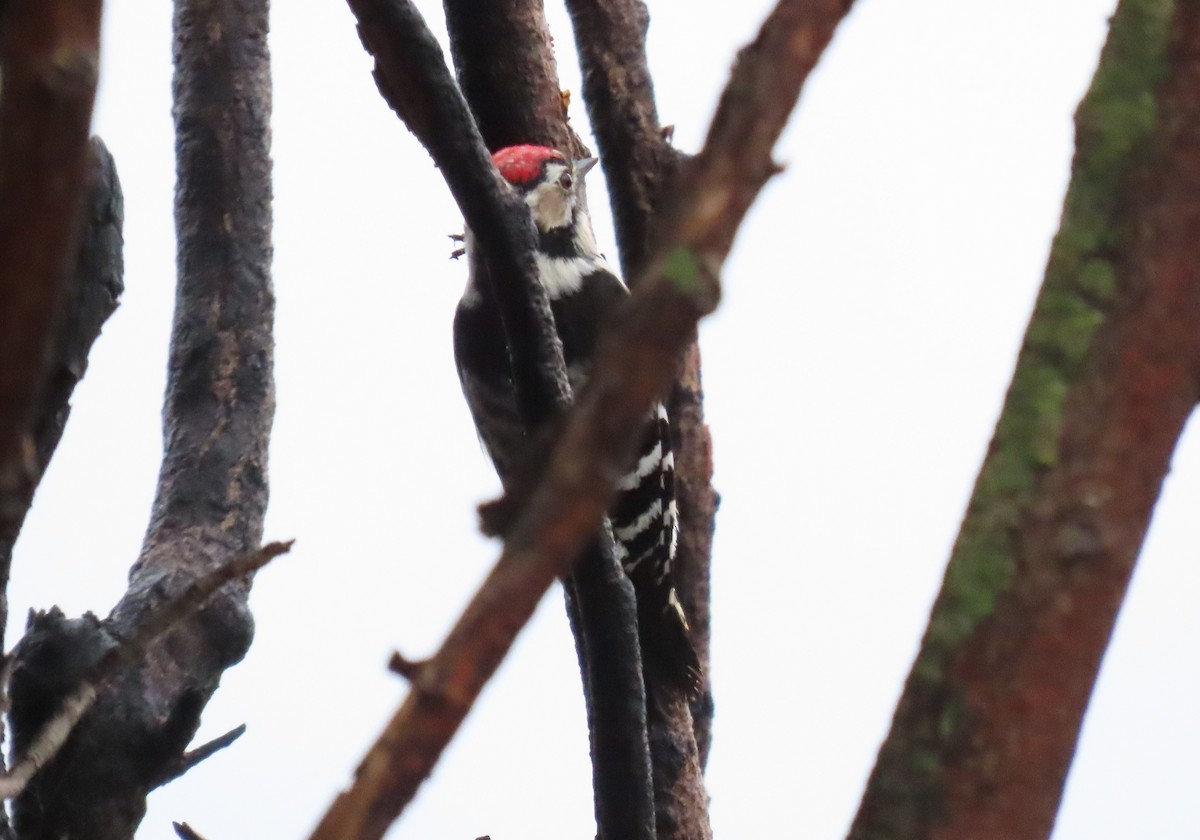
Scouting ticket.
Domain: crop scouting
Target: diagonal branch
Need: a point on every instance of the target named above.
(1109, 372)
(412, 75)
(634, 366)
(90, 297)
(49, 50)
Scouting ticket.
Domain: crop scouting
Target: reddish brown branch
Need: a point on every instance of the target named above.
(49, 50)
(1108, 374)
(635, 365)
(89, 298)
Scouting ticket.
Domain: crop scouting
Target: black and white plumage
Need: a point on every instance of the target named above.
(583, 289)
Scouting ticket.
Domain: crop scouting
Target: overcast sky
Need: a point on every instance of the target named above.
(874, 304)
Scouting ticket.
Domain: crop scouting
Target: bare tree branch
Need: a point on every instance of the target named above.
(89, 299)
(639, 166)
(49, 50)
(505, 60)
(1109, 372)
(205, 751)
(611, 40)
(212, 487)
(54, 732)
(185, 831)
(412, 75)
(634, 366)
(504, 55)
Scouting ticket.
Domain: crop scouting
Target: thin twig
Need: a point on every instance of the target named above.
(186, 832)
(408, 668)
(90, 297)
(203, 752)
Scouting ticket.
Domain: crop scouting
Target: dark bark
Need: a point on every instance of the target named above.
(634, 366)
(640, 166)
(1109, 372)
(504, 55)
(638, 161)
(49, 50)
(412, 75)
(697, 518)
(89, 299)
(212, 489)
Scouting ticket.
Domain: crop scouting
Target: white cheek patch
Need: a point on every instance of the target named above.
(564, 275)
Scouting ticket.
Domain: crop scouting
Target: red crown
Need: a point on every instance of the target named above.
(522, 165)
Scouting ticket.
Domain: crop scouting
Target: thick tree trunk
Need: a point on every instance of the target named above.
(1109, 372)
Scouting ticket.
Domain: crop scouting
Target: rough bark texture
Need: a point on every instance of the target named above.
(49, 50)
(212, 488)
(638, 162)
(634, 366)
(697, 518)
(413, 77)
(1108, 374)
(640, 165)
(90, 298)
(504, 55)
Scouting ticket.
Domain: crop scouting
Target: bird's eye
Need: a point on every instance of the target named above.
(565, 180)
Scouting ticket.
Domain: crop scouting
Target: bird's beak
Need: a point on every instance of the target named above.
(584, 165)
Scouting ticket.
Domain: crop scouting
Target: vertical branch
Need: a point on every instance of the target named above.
(506, 68)
(1109, 371)
(639, 166)
(504, 56)
(212, 490)
(49, 51)
(619, 93)
(90, 297)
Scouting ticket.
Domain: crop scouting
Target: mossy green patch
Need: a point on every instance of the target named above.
(1115, 125)
(682, 267)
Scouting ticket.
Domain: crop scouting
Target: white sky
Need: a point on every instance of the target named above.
(875, 301)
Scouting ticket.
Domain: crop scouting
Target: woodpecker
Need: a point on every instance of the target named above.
(583, 290)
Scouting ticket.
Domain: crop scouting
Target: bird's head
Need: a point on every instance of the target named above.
(548, 181)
